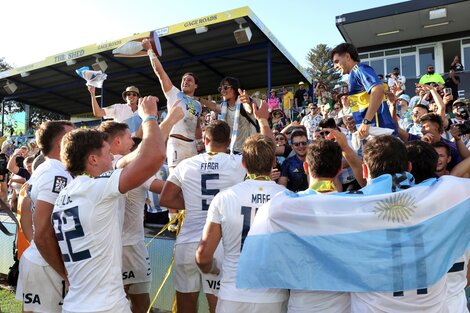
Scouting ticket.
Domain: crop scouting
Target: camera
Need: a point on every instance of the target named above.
(464, 128)
(463, 112)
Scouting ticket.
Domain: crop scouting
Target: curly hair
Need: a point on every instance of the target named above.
(48, 132)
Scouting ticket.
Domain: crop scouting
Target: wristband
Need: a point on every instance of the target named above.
(263, 122)
(151, 54)
(150, 117)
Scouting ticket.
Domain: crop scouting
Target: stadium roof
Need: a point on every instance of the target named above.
(405, 23)
(211, 55)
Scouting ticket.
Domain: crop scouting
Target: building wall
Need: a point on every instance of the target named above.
(413, 60)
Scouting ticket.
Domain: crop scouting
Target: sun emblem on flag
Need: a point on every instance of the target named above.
(397, 208)
(260, 188)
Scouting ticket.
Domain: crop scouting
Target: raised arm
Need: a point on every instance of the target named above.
(152, 149)
(12, 166)
(463, 150)
(97, 110)
(165, 81)
(354, 161)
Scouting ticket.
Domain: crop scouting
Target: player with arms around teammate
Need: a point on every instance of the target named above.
(191, 186)
(88, 215)
(41, 284)
(229, 219)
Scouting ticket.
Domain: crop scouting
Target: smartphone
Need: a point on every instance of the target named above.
(447, 91)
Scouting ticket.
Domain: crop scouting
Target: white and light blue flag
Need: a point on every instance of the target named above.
(376, 241)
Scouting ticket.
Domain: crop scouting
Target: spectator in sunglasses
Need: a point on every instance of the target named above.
(120, 112)
(292, 173)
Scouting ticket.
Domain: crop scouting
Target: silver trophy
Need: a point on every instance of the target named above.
(133, 48)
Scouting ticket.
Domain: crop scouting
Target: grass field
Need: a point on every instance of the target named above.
(8, 303)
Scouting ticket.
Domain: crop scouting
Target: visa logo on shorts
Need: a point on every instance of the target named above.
(213, 284)
(126, 275)
(31, 298)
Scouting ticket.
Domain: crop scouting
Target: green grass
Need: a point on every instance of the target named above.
(8, 303)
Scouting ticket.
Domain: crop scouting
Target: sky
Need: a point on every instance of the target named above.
(32, 30)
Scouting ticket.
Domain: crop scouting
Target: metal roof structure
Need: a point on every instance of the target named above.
(405, 23)
(211, 55)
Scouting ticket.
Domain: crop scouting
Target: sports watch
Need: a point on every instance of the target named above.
(366, 122)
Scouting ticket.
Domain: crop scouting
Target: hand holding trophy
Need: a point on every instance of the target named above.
(135, 47)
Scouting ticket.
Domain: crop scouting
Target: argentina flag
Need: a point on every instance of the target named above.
(381, 242)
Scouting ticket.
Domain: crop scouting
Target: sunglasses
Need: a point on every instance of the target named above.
(224, 88)
(336, 109)
(280, 138)
(133, 94)
(349, 119)
(324, 133)
(300, 143)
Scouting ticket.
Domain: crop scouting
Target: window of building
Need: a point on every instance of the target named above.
(426, 57)
(378, 66)
(408, 65)
(392, 63)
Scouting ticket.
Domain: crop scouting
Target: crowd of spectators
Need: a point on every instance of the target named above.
(432, 122)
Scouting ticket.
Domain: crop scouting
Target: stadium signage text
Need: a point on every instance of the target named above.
(69, 55)
(201, 21)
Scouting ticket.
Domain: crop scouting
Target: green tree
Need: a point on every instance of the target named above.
(321, 67)
(36, 115)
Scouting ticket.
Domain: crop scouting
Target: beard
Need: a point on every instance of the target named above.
(431, 72)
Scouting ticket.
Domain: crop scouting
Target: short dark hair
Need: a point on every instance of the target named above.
(77, 145)
(259, 154)
(327, 123)
(343, 48)
(385, 155)
(113, 129)
(19, 161)
(232, 81)
(434, 118)
(196, 79)
(423, 158)
(422, 106)
(48, 132)
(218, 133)
(442, 144)
(324, 158)
(297, 133)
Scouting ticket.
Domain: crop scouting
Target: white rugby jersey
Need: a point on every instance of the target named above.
(192, 110)
(45, 184)
(234, 209)
(429, 300)
(200, 178)
(133, 228)
(87, 221)
(456, 283)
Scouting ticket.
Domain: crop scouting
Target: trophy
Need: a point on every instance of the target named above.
(133, 48)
